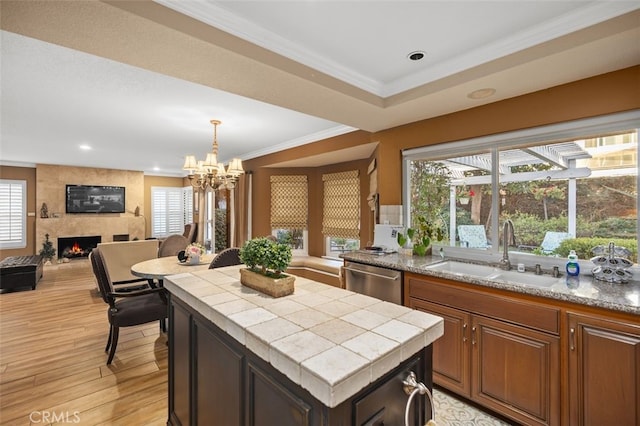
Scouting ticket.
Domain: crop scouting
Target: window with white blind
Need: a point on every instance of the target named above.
(187, 202)
(13, 214)
(171, 209)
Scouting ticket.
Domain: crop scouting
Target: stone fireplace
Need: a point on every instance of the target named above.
(77, 247)
(50, 189)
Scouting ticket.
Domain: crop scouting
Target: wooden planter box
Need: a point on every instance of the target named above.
(273, 287)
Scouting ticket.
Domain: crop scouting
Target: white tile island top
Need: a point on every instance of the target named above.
(330, 341)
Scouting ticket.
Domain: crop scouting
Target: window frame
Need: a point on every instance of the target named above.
(304, 251)
(494, 143)
(185, 202)
(21, 242)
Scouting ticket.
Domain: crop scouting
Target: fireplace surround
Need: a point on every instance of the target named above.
(77, 247)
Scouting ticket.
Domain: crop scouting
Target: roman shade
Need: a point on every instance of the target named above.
(289, 202)
(341, 207)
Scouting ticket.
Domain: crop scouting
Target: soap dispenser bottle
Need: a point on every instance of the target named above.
(573, 267)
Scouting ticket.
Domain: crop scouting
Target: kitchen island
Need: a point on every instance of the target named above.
(321, 356)
(537, 349)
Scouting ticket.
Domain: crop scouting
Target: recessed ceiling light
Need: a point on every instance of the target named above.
(482, 93)
(85, 147)
(156, 169)
(416, 56)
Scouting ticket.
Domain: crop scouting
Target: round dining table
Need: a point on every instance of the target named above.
(162, 267)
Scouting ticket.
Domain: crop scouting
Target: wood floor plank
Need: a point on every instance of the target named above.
(129, 409)
(52, 356)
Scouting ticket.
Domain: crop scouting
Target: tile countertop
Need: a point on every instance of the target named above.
(586, 291)
(330, 341)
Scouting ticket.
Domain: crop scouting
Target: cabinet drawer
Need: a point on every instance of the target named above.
(525, 313)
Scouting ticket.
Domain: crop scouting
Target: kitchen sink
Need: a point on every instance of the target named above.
(492, 273)
(524, 278)
(462, 269)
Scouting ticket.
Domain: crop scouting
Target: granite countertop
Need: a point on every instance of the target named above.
(585, 291)
(330, 341)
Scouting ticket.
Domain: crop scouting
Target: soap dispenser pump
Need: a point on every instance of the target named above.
(573, 267)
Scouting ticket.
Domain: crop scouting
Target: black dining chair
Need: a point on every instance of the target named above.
(127, 308)
(227, 257)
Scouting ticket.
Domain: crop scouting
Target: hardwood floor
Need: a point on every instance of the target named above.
(53, 365)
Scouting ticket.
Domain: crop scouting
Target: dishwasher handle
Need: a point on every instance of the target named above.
(360, 271)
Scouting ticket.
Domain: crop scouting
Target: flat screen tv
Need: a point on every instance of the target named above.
(94, 199)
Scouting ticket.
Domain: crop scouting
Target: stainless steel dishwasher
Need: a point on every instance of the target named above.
(381, 283)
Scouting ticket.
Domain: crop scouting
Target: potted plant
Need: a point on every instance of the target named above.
(464, 195)
(266, 262)
(193, 252)
(48, 251)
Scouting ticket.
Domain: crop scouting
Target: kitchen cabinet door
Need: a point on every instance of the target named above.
(179, 370)
(604, 371)
(516, 371)
(451, 352)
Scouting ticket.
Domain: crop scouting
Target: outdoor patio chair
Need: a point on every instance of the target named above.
(552, 241)
(473, 236)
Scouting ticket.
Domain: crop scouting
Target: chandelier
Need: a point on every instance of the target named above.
(210, 173)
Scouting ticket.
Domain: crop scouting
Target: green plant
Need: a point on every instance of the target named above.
(583, 246)
(47, 248)
(266, 257)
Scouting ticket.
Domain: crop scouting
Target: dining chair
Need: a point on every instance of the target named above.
(227, 257)
(127, 308)
(173, 245)
(190, 232)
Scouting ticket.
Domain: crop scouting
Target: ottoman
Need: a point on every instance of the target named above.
(20, 271)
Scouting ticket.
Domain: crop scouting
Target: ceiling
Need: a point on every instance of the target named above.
(138, 82)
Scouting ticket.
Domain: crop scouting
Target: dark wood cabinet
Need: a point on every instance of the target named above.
(604, 371)
(214, 380)
(451, 352)
(516, 371)
(179, 369)
(495, 350)
(218, 398)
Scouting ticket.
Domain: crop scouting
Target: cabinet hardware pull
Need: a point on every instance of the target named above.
(464, 333)
(473, 335)
(572, 332)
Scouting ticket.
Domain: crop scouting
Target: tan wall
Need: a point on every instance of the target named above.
(46, 184)
(51, 183)
(28, 174)
(605, 94)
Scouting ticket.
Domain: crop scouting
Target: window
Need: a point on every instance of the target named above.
(13, 214)
(171, 209)
(289, 211)
(295, 237)
(336, 246)
(573, 185)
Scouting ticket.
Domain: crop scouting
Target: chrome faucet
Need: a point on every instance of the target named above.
(507, 230)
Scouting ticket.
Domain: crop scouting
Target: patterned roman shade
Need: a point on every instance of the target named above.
(289, 202)
(341, 212)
